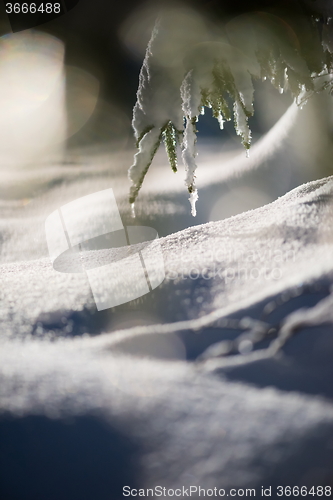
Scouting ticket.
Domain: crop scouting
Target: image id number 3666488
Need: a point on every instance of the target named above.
(33, 8)
(303, 491)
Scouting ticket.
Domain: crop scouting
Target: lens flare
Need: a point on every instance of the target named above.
(32, 97)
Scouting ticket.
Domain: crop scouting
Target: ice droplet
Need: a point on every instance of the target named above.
(247, 153)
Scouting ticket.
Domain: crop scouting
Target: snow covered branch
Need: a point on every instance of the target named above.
(189, 67)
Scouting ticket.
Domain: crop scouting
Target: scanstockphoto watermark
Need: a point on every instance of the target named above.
(227, 274)
(229, 265)
(262, 491)
(87, 235)
(183, 492)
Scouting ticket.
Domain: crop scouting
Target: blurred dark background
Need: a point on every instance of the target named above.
(92, 33)
(107, 40)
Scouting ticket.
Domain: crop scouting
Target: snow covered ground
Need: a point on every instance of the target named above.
(210, 380)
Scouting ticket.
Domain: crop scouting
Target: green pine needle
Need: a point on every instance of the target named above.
(170, 134)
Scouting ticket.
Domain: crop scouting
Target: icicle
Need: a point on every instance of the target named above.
(241, 125)
(133, 210)
(247, 153)
(188, 155)
(189, 139)
(193, 199)
(221, 121)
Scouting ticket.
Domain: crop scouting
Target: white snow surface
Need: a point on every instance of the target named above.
(190, 426)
